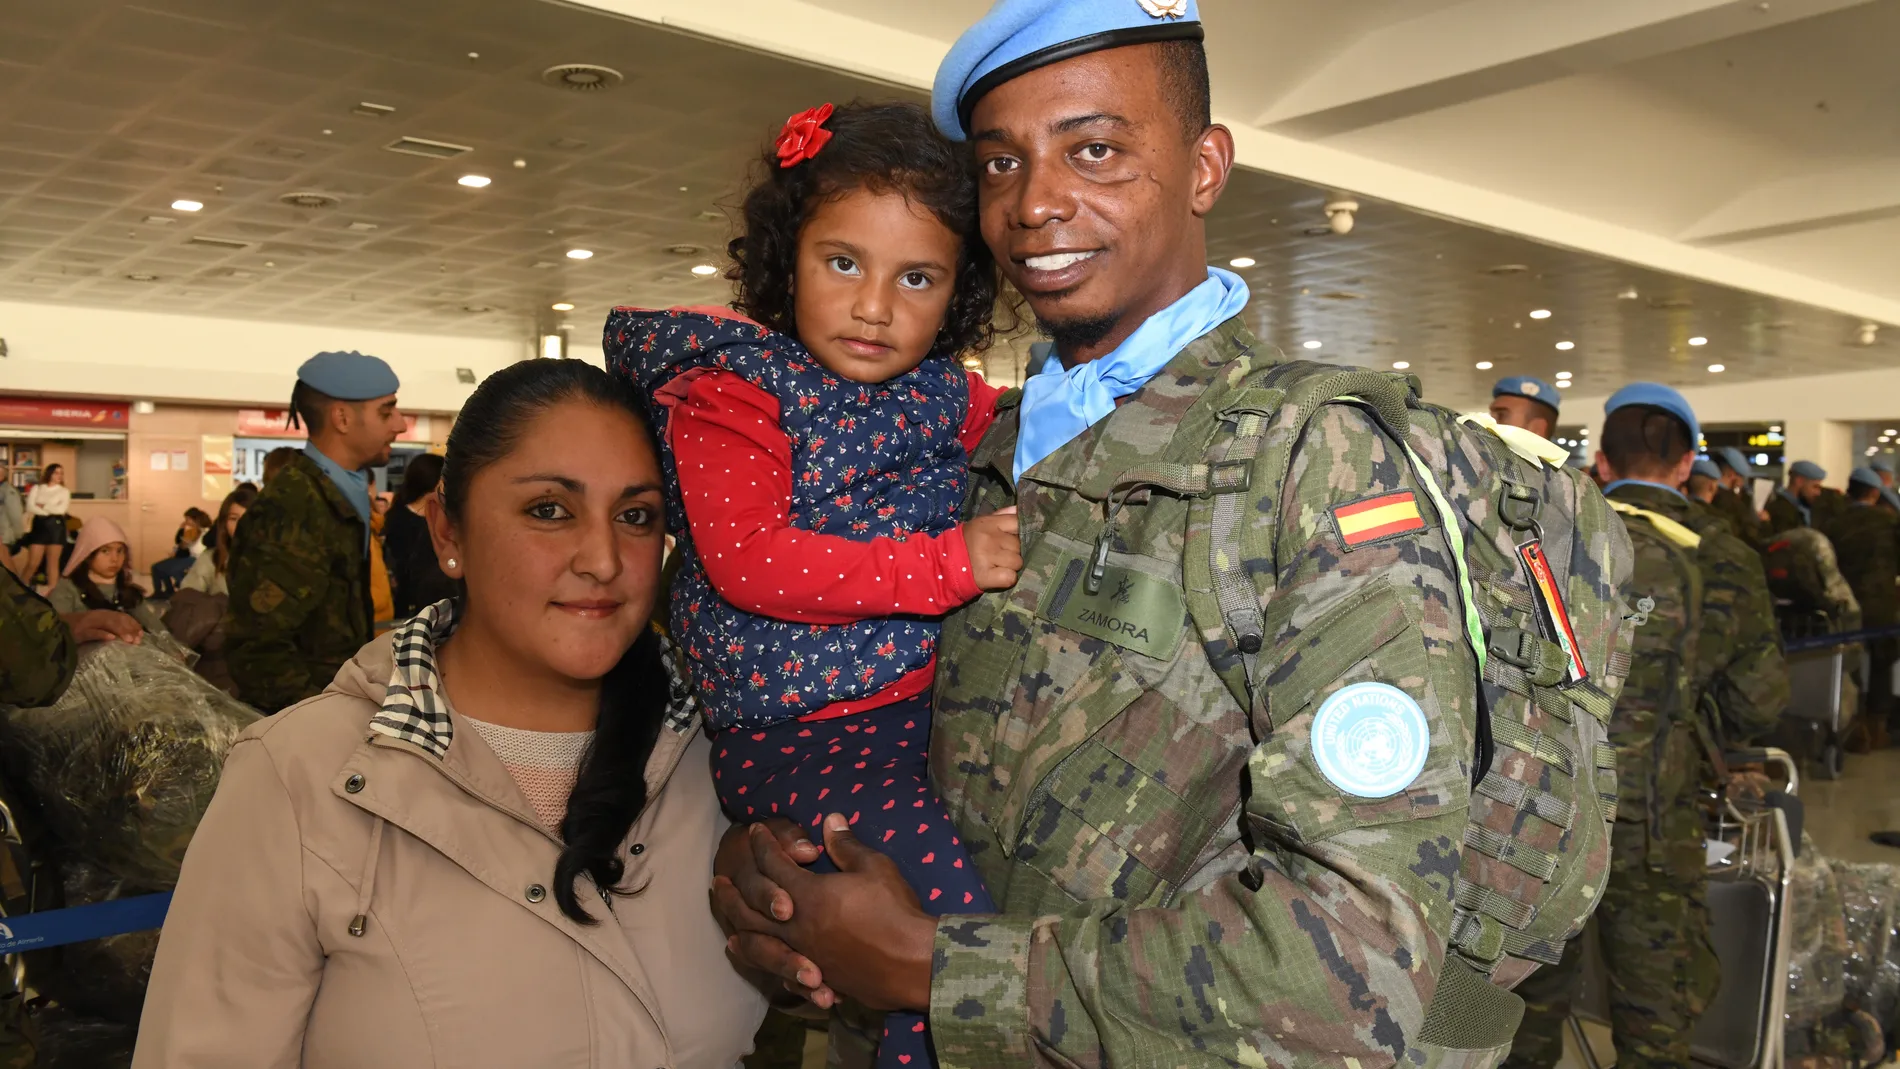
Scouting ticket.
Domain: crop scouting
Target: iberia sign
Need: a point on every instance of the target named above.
(60, 412)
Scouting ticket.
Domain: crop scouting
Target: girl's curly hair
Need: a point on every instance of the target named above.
(881, 148)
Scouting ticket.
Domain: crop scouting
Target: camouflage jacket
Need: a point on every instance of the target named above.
(1091, 756)
(1739, 509)
(1652, 728)
(1739, 662)
(1864, 543)
(300, 596)
(37, 651)
(1783, 515)
(1803, 570)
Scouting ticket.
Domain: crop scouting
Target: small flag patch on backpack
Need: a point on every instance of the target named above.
(1378, 517)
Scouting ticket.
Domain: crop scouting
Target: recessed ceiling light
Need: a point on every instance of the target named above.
(1541, 313)
(1563, 384)
(1776, 429)
(1314, 344)
(473, 181)
(1241, 261)
(1718, 368)
(1563, 374)
(1698, 341)
(1889, 430)
(182, 205)
(1484, 365)
(580, 254)
(563, 306)
(704, 270)
(1566, 346)
(1400, 365)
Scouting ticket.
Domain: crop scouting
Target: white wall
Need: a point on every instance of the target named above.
(1814, 411)
(137, 356)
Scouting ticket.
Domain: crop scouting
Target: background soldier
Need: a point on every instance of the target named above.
(300, 589)
(1653, 921)
(1735, 498)
(1793, 504)
(1863, 535)
(1522, 401)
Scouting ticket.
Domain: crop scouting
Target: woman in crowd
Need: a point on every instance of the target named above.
(46, 506)
(406, 545)
(488, 843)
(101, 577)
(208, 572)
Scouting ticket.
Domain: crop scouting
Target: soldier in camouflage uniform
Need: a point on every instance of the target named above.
(1794, 504)
(1654, 921)
(1741, 670)
(1733, 497)
(1092, 749)
(300, 571)
(1864, 536)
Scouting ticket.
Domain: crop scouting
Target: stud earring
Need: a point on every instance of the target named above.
(451, 562)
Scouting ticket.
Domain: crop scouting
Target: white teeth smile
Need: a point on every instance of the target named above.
(1058, 261)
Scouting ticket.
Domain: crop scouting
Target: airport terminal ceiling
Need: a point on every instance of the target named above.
(278, 119)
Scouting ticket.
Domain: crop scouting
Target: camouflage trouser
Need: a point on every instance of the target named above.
(1654, 926)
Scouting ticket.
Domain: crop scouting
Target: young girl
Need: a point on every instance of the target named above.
(102, 577)
(817, 455)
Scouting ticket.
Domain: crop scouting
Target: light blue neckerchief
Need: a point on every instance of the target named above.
(1058, 405)
(354, 484)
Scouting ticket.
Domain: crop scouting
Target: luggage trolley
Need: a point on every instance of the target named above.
(1748, 920)
(1816, 658)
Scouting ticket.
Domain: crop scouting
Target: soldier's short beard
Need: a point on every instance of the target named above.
(1080, 333)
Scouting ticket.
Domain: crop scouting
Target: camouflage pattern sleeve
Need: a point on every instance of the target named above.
(278, 581)
(40, 652)
(1333, 959)
(1741, 646)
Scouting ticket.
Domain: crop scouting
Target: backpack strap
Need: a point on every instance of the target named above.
(1665, 526)
(1266, 419)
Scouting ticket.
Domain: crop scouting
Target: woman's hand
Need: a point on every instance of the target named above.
(995, 546)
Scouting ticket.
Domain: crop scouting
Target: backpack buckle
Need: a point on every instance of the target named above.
(1528, 652)
(1230, 477)
(1519, 507)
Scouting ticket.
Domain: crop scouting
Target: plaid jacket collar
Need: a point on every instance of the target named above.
(416, 711)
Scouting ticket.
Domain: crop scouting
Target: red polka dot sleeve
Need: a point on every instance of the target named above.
(735, 472)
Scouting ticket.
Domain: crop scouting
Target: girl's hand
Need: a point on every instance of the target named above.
(996, 549)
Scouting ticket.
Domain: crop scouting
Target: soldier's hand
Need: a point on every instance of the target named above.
(745, 902)
(103, 625)
(996, 549)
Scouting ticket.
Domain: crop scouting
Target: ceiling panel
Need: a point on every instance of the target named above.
(110, 111)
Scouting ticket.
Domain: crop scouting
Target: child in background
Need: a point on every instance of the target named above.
(817, 456)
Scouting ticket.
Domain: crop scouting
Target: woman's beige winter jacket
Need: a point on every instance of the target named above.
(353, 904)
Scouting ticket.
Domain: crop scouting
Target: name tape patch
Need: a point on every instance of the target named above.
(1378, 517)
(1370, 740)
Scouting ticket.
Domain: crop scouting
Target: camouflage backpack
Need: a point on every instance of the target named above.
(1543, 560)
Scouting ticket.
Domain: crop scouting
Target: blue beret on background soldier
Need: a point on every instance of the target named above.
(300, 573)
(1654, 919)
(1735, 497)
(1215, 752)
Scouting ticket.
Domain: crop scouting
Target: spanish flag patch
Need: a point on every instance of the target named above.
(1378, 517)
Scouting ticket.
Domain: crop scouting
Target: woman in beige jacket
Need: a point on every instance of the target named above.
(451, 857)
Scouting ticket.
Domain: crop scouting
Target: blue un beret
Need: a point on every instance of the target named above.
(1881, 463)
(1705, 467)
(1019, 36)
(1524, 386)
(1865, 477)
(1737, 462)
(1656, 395)
(1807, 469)
(348, 376)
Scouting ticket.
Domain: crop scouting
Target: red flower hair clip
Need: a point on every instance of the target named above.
(803, 136)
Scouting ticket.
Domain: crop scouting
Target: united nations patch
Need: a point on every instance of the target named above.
(1370, 740)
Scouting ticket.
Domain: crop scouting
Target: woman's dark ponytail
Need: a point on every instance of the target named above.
(636, 695)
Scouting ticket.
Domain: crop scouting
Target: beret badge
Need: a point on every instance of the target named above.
(1165, 9)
